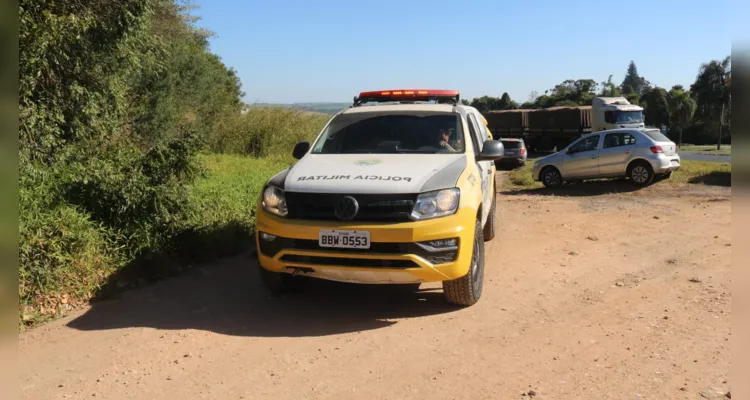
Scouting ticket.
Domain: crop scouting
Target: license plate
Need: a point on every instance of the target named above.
(344, 239)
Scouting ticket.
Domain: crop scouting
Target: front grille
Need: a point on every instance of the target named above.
(372, 207)
(272, 248)
(349, 262)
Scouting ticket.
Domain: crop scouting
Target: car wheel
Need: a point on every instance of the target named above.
(551, 177)
(641, 173)
(489, 226)
(279, 282)
(667, 175)
(467, 290)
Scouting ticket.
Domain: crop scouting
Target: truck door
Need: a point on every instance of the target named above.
(478, 136)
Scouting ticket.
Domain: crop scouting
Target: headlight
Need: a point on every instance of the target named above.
(436, 204)
(274, 201)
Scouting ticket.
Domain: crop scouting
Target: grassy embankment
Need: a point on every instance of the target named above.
(692, 172)
(218, 220)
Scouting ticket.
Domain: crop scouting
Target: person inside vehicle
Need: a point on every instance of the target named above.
(445, 141)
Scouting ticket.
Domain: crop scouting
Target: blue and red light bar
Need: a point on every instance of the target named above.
(407, 95)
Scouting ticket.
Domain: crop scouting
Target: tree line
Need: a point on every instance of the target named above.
(698, 114)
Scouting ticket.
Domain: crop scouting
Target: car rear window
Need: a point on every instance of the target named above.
(508, 144)
(657, 136)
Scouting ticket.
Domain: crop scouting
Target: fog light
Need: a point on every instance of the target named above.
(267, 237)
(442, 243)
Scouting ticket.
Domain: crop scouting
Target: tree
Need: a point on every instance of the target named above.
(506, 103)
(633, 82)
(712, 94)
(681, 109)
(465, 102)
(609, 89)
(657, 106)
(533, 96)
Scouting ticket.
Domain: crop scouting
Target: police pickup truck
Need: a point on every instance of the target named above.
(399, 188)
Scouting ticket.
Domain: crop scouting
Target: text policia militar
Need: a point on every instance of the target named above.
(357, 177)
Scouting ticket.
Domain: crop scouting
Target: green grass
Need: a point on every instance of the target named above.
(692, 172)
(230, 189)
(703, 172)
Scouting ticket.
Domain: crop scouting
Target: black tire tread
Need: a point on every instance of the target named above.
(489, 227)
(461, 291)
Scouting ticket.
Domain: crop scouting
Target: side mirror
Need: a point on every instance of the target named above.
(491, 151)
(300, 149)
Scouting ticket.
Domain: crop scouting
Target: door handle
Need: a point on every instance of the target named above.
(593, 157)
(627, 151)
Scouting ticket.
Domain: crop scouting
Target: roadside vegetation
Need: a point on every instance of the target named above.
(133, 149)
(691, 172)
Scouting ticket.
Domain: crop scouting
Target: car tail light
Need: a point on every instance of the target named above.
(657, 149)
(522, 151)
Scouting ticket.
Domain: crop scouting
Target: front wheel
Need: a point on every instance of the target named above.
(551, 177)
(489, 227)
(279, 282)
(467, 290)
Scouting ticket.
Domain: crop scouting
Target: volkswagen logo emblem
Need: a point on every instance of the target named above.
(346, 208)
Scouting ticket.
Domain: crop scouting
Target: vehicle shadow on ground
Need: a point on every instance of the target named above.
(580, 189)
(715, 178)
(228, 298)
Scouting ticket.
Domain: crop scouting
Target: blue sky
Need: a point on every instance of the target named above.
(310, 51)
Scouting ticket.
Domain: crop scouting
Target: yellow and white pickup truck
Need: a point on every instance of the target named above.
(399, 188)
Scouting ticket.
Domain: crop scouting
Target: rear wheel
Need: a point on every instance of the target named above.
(640, 173)
(551, 177)
(667, 175)
(467, 290)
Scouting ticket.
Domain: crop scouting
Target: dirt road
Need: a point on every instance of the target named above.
(587, 296)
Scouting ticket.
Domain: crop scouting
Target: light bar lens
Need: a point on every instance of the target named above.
(410, 92)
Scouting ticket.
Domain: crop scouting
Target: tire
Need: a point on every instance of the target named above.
(280, 283)
(667, 175)
(467, 290)
(489, 227)
(551, 177)
(641, 173)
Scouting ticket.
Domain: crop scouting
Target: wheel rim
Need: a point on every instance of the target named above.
(640, 174)
(552, 178)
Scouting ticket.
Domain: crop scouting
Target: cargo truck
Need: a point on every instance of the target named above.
(554, 127)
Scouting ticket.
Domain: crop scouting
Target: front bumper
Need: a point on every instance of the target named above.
(393, 257)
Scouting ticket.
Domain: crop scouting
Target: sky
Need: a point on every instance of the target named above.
(329, 51)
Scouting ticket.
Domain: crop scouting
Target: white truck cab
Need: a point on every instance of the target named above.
(615, 113)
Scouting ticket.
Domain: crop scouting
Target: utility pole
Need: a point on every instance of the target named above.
(721, 124)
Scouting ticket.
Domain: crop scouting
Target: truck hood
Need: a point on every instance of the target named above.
(372, 173)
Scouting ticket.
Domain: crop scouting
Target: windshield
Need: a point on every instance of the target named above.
(392, 132)
(629, 117)
(508, 144)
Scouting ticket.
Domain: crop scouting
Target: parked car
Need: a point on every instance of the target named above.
(638, 154)
(515, 152)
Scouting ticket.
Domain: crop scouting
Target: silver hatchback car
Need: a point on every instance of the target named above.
(639, 154)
